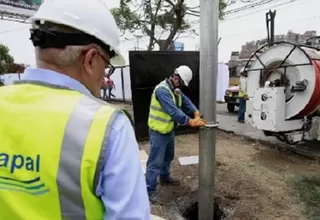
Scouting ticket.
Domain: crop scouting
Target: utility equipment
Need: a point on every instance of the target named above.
(284, 91)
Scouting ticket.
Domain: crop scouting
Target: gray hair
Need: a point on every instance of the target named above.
(59, 57)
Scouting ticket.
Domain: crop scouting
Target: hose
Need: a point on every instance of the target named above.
(315, 98)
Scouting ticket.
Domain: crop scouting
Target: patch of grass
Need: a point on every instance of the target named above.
(308, 188)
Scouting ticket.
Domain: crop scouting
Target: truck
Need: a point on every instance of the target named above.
(231, 97)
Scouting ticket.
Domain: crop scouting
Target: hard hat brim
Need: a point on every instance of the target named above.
(118, 60)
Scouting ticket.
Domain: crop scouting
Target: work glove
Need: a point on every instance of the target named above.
(197, 122)
(197, 114)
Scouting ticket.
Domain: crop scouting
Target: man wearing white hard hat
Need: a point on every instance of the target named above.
(64, 153)
(169, 107)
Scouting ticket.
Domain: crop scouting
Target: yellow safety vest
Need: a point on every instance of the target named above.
(51, 152)
(158, 119)
(242, 91)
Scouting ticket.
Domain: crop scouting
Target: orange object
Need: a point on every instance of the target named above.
(197, 122)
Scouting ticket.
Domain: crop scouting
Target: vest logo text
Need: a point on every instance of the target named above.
(19, 162)
(11, 180)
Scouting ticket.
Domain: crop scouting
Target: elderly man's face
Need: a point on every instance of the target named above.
(94, 65)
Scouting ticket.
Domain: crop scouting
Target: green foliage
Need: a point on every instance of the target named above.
(16, 68)
(153, 18)
(308, 188)
(6, 60)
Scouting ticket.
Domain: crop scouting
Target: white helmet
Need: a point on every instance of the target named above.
(92, 17)
(185, 73)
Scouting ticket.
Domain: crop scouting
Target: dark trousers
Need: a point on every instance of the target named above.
(110, 94)
(160, 158)
(242, 109)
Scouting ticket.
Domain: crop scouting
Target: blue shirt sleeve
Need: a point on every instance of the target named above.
(122, 185)
(168, 105)
(187, 105)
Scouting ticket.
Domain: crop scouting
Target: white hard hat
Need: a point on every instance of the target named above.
(185, 73)
(92, 17)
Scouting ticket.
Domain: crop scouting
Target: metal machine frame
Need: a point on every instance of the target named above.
(286, 136)
(260, 50)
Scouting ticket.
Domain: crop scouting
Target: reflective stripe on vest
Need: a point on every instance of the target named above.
(51, 156)
(158, 119)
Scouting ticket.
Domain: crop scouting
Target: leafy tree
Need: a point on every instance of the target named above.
(153, 18)
(16, 68)
(6, 60)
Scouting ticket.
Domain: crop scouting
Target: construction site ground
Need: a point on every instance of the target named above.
(253, 180)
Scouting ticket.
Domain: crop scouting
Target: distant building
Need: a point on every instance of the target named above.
(252, 46)
(239, 59)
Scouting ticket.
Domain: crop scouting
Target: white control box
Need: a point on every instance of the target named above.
(268, 110)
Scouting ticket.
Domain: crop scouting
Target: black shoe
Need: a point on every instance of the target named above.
(170, 181)
(153, 198)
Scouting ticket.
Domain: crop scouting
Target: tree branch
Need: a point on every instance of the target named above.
(193, 14)
(153, 22)
(177, 36)
(193, 11)
(179, 11)
(170, 3)
(191, 8)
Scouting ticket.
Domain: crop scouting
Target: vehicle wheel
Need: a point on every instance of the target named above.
(231, 107)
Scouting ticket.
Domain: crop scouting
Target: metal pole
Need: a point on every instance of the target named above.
(209, 18)
(122, 85)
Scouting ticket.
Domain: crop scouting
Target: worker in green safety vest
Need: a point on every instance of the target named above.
(243, 95)
(169, 107)
(64, 153)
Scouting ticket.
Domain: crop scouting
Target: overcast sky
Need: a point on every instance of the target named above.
(299, 16)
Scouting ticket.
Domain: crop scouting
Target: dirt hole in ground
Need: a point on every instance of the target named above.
(191, 213)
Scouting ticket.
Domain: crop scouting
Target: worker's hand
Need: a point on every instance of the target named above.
(197, 122)
(197, 114)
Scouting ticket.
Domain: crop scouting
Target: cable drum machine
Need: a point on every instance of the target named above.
(284, 91)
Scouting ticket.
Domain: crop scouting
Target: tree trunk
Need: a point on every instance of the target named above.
(179, 11)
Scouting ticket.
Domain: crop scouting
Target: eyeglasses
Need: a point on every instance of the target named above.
(108, 64)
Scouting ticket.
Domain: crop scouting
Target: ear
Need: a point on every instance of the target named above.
(89, 60)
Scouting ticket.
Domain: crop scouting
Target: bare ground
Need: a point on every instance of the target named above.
(254, 181)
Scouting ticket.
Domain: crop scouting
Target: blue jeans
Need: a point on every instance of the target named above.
(160, 158)
(242, 109)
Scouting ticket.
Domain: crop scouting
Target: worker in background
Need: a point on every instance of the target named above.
(104, 89)
(110, 87)
(243, 95)
(65, 154)
(169, 107)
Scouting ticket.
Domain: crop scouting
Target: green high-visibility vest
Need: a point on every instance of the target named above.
(51, 152)
(243, 91)
(158, 119)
